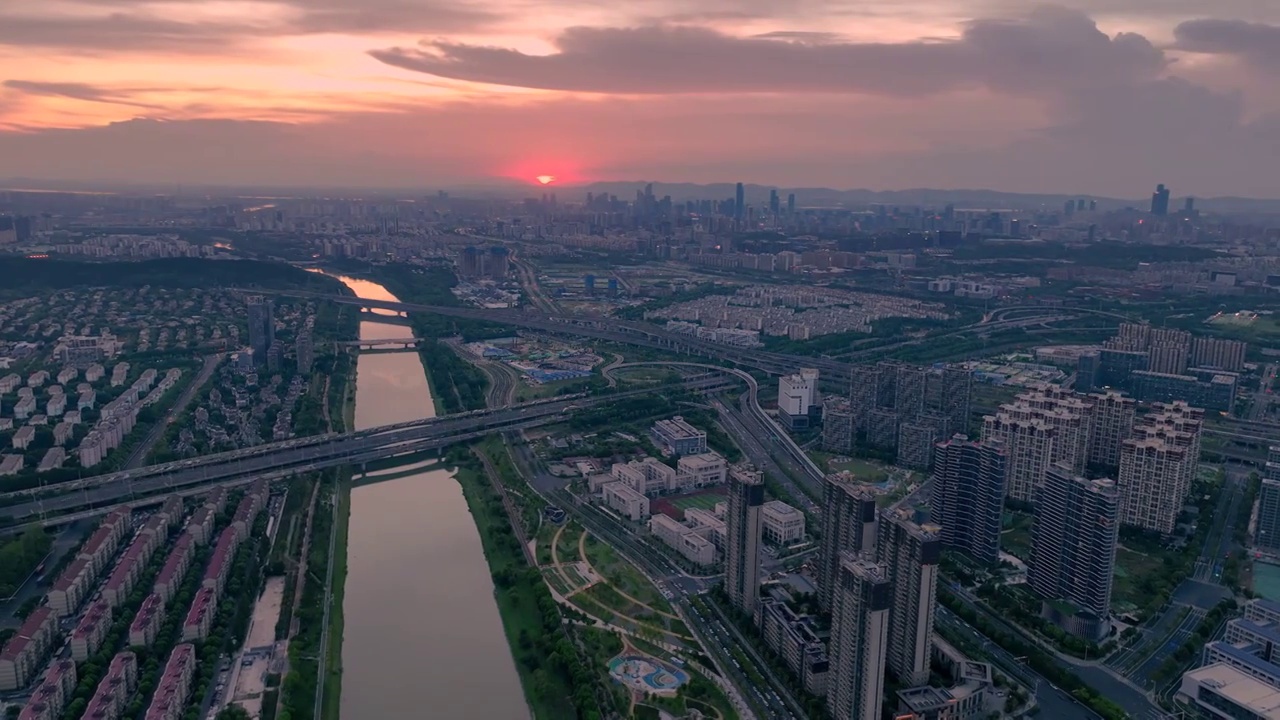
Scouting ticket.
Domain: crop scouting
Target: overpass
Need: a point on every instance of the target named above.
(317, 452)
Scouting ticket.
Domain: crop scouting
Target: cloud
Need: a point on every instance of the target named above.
(1049, 49)
(78, 91)
(1258, 43)
(136, 26)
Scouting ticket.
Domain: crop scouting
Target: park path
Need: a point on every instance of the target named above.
(582, 551)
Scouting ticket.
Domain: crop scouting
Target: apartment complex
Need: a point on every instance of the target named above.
(1158, 464)
(743, 529)
(910, 552)
(859, 640)
(114, 690)
(968, 497)
(848, 526)
(21, 656)
(1113, 419)
(1073, 551)
(1028, 445)
(909, 408)
(51, 695)
(171, 695)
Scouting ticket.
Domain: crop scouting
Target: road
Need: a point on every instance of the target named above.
(1054, 703)
(67, 540)
(143, 451)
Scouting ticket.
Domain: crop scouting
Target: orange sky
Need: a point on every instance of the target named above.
(785, 91)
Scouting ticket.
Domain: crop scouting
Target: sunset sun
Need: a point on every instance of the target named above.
(545, 179)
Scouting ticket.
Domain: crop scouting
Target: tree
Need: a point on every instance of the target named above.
(234, 712)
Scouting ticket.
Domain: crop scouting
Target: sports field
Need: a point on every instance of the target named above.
(702, 501)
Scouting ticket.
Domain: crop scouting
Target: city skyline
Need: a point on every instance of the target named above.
(393, 94)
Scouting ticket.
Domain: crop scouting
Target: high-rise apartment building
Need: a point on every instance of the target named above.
(262, 324)
(910, 553)
(743, 529)
(865, 395)
(1266, 536)
(968, 497)
(1169, 351)
(1073, 550)
(1208, 352)
(1070, 414)
(1113, 419)
(1028, 448)
(838, 425)
(848, 526)
(1158, 464)
(860, 622)
(305, 350)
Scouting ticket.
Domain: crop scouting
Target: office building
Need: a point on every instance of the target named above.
(968, 497)
(743, 528)
(739, 203)
(1213, 391)
(1228, 693)
(1209, 352)
(1073, 551)
(781, 524)
(910, 553)
(848, 526)
(1028, 446)
(262, 324)
(1160, 200)
(798, 399)
(1113, 419)
(625, 500)
(677, 437)
(684, 539)
(972, 695)
(859, 645)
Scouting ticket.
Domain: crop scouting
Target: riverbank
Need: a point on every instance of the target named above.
(332, 702)
(557, 684)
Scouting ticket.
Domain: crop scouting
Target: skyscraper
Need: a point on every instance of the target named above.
(1073, 550)
(1266, 535)
(1113, 418)
(742, 537)
(1028, 447)
(791, 204)
(306, 352)
(740, 203)
(1157, 466)
(848, 526)
(837, 425)
(1160, 200)
(910, 552)
(262, 325)
(774, 205)
(968, 497)
(859, 639)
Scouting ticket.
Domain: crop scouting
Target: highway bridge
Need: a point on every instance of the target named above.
(288, 457)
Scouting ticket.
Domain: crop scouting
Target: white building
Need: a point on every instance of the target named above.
(702, 470)
(623, 499)
(797, 398)
(783, 524)
(684, 539)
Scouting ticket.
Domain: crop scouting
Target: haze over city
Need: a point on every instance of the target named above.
(1086, 96)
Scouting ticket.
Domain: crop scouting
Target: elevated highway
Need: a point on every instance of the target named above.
(281, 459)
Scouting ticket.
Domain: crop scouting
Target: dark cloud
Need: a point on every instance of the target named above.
(1051, 48)
(78, 91)
(1257, 42)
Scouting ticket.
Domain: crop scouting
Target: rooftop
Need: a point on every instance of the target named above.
(1241, 689)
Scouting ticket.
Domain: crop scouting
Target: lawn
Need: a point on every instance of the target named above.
(1131, 569)
(864, 470)
(617, 571)
(1015, 539)
(702, 501)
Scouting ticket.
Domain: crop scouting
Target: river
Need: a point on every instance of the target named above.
(422, 637)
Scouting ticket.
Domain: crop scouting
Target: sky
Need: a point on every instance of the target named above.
(1105, 97)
